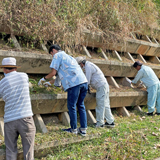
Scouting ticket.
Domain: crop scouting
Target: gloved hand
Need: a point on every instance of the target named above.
(140, 85)
(47, 84)
(89, 89)
(41, 81)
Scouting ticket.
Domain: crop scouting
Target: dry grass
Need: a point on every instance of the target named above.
(63, 21)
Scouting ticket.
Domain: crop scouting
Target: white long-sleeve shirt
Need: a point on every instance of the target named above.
(94, 75)
(147, 76)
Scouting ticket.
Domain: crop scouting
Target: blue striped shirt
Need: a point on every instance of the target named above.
(14, 89)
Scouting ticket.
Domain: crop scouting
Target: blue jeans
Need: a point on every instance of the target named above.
(75, 99)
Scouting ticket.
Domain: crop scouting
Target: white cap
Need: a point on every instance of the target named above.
(79, 59)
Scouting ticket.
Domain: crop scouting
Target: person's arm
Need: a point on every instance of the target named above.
(88, 73)
(138, 77)
(51, 74)
(55, 64)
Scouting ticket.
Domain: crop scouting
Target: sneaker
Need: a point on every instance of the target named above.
(98, 126)
(157, 113)
(150, 114)
(112, 125)
(82, 133)
(70, 130)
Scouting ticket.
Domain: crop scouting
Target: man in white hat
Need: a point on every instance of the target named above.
(98, 81)
(14, 89)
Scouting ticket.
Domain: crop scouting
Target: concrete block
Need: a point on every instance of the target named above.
(104, 55)
(1, 126)
(138, 108)
(151, 51)
(155, 59)
(129, 56)
(90, 117)
(40, 126)
(86, 51)
(123, 111)
(16, 44)
(112, 82)
(125, 81)
(142, 49)
(155, 41)
(44, 47)
(116, 54)
(64, 118)
(148, 39)
(140, 57)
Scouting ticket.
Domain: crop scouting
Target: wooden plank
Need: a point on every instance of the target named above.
(64, 118)
(112, 82)
(140, 57)
(16, 44)
(123, 111)
(155, 60)
(1, 126)
(155, 41)
(40, 126)
(138, 108)
(129, 56)
(117, 55)
(104, 55)
(90, 117)
(149, 39)
(86, 51)
(44, 47)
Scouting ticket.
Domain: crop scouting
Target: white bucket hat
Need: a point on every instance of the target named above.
(9, 62)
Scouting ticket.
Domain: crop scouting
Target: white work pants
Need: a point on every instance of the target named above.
(103, 106)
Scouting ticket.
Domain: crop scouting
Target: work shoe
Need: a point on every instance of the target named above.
(112, 125)
(82, 133)
(70, 130)
(98, 126)
(157, 113)
(150, 114)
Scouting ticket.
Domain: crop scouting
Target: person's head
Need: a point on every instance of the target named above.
(81, 61)
(137, 65)
(54, 49)
(9, 65)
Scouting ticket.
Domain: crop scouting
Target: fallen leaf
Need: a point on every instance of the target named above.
(154, 134)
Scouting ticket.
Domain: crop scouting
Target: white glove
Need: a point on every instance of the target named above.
(41, 81)
(47, 84)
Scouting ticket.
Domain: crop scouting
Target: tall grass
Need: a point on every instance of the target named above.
(64, 20)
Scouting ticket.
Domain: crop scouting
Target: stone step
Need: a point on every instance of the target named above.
(34, 63)
(47, 103)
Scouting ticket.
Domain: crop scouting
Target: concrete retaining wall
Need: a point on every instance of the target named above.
(45, 103)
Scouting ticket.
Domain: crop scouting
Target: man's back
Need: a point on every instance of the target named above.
(68, 70)
(94, 75)
(14, 89)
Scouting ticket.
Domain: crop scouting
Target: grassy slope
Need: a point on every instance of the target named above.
(133, 138)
